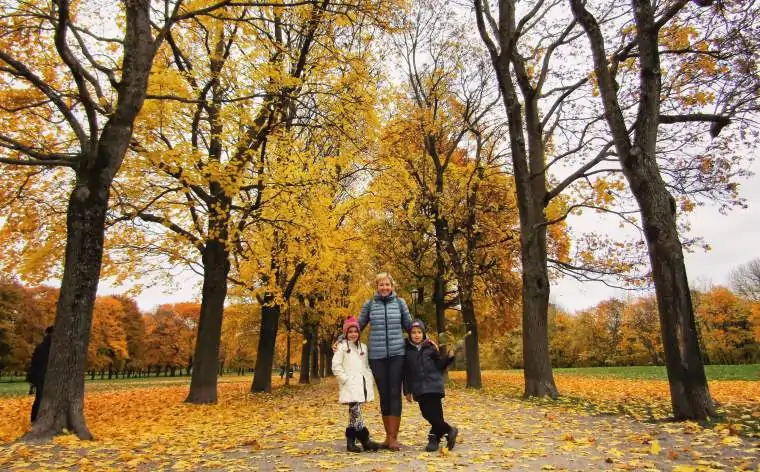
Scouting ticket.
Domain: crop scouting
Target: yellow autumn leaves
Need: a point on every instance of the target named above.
(143, 425)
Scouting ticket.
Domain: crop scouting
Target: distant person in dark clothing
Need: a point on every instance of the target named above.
(38, 369)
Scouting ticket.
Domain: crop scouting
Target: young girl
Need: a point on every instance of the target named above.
(351, 367)
(424, 379)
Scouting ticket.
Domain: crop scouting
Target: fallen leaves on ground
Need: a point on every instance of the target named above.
(738, 401)
(302, 427)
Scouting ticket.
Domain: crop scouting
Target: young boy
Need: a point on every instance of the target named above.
(423, 379)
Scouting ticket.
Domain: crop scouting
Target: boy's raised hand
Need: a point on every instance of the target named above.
(335, 344)
(457, 348)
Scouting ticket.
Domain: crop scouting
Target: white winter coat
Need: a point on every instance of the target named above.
(351, 366)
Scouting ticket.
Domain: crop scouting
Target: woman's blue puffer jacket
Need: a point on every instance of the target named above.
(389, 317)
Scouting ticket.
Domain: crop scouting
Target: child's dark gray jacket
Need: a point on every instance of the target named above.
(423, 372)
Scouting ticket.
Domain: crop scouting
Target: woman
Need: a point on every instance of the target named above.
(389, 316)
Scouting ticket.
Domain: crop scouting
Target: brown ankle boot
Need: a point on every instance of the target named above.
(393, 425)
(384, 444)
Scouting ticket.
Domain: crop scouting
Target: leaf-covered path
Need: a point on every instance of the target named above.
(301, 428)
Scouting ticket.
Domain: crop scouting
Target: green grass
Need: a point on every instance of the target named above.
(714, 372)
(15, 389)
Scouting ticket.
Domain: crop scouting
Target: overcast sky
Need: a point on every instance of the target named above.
(735, 239)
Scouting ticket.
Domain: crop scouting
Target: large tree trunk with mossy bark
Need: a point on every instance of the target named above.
(689, 392)
(216, 266)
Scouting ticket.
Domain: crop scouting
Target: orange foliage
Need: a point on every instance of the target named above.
(108, 340)
(726, 327)
(24, 315)
(170, 335)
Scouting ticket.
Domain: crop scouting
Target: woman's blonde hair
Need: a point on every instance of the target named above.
(384, 275)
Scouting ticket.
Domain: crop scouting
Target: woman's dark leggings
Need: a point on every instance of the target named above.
(389, 373)
(432, 411)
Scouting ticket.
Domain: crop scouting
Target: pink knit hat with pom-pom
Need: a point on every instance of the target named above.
(350, 321)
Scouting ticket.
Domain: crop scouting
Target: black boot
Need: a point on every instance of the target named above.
(363, 436)
(451, 438)
(433, 442)
(351, 440)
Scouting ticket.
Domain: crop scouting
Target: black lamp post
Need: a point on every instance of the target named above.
(414, 300)
(287, 356)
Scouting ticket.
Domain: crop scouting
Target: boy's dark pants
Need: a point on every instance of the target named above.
(432, 411)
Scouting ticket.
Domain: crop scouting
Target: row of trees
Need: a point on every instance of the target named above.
(125, 342)
(122, 341)
(625, 332)
(644, 76)
(280, 157)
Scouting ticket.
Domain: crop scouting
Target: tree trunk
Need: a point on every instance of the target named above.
(528, 162)
(62, 404)
(688, 384)
(288, 360)
(539, 380)
(689, 392)
(216, 266)
(303, 377)
(686, 374)
(270, 317)
(439, 290)
(328, 360)
(439, 300)
(314, 355)
(322, 360)
(471, 343)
